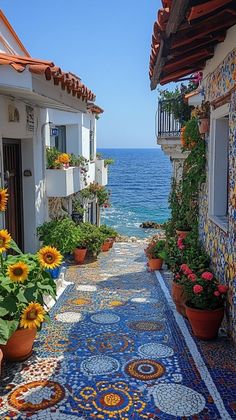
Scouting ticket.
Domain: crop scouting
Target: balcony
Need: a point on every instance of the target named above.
(101, 172)
(63, 182)
(168, 130)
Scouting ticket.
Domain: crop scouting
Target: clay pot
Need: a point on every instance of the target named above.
(19, 346)
(182, 233)
(205, 323)
(79, 255)
(203, 125)
(111, 242)
(106, 246)
(1, 357)
(179, 298)
(155, 263)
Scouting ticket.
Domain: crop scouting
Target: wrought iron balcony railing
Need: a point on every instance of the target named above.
(166, 124)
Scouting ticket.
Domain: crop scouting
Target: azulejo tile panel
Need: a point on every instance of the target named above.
(221, 245)
(99, 361)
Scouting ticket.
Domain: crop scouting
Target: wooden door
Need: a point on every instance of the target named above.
(13, 181)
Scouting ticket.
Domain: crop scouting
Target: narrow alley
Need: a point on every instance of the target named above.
(117, 349)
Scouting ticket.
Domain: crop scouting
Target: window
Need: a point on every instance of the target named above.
(60, 140)
(219, 168)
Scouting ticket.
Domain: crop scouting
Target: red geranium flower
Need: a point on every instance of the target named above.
(222, 288)
(192, 277)
(207, 275)
(197, 289)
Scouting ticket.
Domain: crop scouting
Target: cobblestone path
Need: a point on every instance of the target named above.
(116, 349)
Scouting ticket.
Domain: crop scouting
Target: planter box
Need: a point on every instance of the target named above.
(62, 182)
(101, 172)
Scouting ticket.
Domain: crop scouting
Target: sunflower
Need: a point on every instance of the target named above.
(3, 199)
(49, 257)
(5, 240)
(18, 272)
(32, 316)
(64, 158)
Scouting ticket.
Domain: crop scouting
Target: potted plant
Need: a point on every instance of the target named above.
(61, 234)
(156, 254)
(182, 228)
(24, 281)
(92, 238)
(110, 235)
(202, 113)
(205, 299)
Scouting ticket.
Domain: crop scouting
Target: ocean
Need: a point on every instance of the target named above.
(139, 182)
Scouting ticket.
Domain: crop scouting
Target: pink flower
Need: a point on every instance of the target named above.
(180, 244)
(185, 269)
(222, 288)
(192, 277)
(216, 293)
(197, 289)
(177, 276)
(207, 275)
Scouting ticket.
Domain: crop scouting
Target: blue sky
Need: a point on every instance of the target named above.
(107, 44)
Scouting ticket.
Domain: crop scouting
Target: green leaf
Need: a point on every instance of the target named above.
(15, 247)
(9, 303)
(7, 328)
(21, 296)
(3, 311)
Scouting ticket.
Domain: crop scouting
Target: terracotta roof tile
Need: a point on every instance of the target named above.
(184, 36)
(68, 81)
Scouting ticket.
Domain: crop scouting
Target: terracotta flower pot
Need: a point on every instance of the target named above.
(1, 357)
(106, 246)
(179, 298)
(19, 346)
(182, 233)
(205, 323)
(79, 255)
(155, 263)
(203, 125)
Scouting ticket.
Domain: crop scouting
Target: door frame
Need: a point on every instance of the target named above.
(10, 141)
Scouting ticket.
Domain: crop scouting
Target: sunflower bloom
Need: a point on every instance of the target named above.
(64, 158)
(5, 240)
(49, 257)
(3, 199)
(32, 316)
(18, 272)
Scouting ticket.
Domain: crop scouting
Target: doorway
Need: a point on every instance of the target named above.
(13, 181)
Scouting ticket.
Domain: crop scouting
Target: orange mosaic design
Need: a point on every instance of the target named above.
(16, 398)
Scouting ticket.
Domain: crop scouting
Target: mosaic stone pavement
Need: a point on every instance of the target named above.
(115, 350)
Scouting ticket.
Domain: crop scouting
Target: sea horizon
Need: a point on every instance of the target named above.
(139, 182)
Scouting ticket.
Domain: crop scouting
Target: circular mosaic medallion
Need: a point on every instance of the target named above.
(37, 395)
(177, 400)
(99, 365)
(145, 369)
(146, 326)
(110, 342)
(80, 302)
(116, 303)
(105, 318)
(69, 317)
(113, 401)
(155, 350)
(86, 288)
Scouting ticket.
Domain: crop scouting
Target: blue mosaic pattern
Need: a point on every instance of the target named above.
(132, 364)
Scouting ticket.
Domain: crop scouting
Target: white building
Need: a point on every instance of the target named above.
(35, 97)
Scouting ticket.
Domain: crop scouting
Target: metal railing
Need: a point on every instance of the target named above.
(166, 124)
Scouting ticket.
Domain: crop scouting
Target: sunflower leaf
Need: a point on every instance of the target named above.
(15, 247)
(7, 328)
